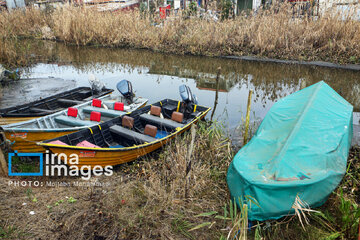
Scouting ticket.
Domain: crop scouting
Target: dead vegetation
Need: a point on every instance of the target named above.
(268, 33)
(13, 54)
(146, 199)
(154, 198)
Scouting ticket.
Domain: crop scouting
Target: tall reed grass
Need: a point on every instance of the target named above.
(270, 33)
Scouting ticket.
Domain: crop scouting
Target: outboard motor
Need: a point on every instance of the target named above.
(96, 85)
(7, 76)
(186, 95)
(125, 88)
(189, 100)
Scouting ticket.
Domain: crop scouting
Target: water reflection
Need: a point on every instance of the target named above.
(157, 75)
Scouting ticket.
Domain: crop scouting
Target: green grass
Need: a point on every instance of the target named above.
(11, 232)
(7, 232)
(20, 166)
(181, 226)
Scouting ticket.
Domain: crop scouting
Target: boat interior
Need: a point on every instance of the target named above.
(98, 111)
(88, 114)
(54, 103)
(144, 125)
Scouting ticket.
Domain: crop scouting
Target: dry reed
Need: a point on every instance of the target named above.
(269, 33)
(145, 200)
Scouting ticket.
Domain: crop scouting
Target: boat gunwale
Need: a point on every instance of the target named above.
(10, 128)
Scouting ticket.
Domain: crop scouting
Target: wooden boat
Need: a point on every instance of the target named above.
(24, 135)
(130, 136)
(297, 155)
(127, 137)
(49, 105)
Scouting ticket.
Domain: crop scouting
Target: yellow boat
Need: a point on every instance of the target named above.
(128, 137)
(24, 136)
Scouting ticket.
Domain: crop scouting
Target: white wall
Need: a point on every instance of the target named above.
(256, 4)
(326, 4)
(342, 6)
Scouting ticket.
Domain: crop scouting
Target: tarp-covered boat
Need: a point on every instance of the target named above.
(132, 135)
(49, 105)
(300, 149)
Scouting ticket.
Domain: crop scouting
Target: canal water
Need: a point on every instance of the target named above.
(157, 76)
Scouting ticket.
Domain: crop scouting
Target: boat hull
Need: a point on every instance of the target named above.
(23, 140)
(11, 120)
(277, 200)
(95, 156)
(298, 154)
(26, 141)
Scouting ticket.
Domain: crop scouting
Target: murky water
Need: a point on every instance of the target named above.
(157, 76)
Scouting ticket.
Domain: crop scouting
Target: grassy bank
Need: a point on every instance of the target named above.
(270, 33)
(151, 198)
(154, 198)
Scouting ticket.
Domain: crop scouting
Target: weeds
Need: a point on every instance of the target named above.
(71, 200)
(24, 166)
(58, 202)
(270, 33)
(301, 208)
(235, 219)
(6, 232)
(350, 214)
(182, 226)
(146, 199)
(11, 232)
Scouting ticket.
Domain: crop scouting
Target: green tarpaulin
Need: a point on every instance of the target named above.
(300, 149)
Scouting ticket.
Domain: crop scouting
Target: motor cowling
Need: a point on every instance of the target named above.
(126, 89)
(188, 100)
(186, 95)
(96, 85)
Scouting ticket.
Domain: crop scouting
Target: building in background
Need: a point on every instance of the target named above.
(314, 7)
(248, 4)
(12, 4)
(344, 7)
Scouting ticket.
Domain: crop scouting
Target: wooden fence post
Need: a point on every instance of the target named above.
(216, 93)
(188, 159)
(247, 121)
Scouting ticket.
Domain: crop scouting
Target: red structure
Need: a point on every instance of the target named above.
(164, 11)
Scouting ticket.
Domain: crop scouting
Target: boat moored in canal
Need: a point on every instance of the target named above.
(50, 105)
(24, 135)
(130, 136)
